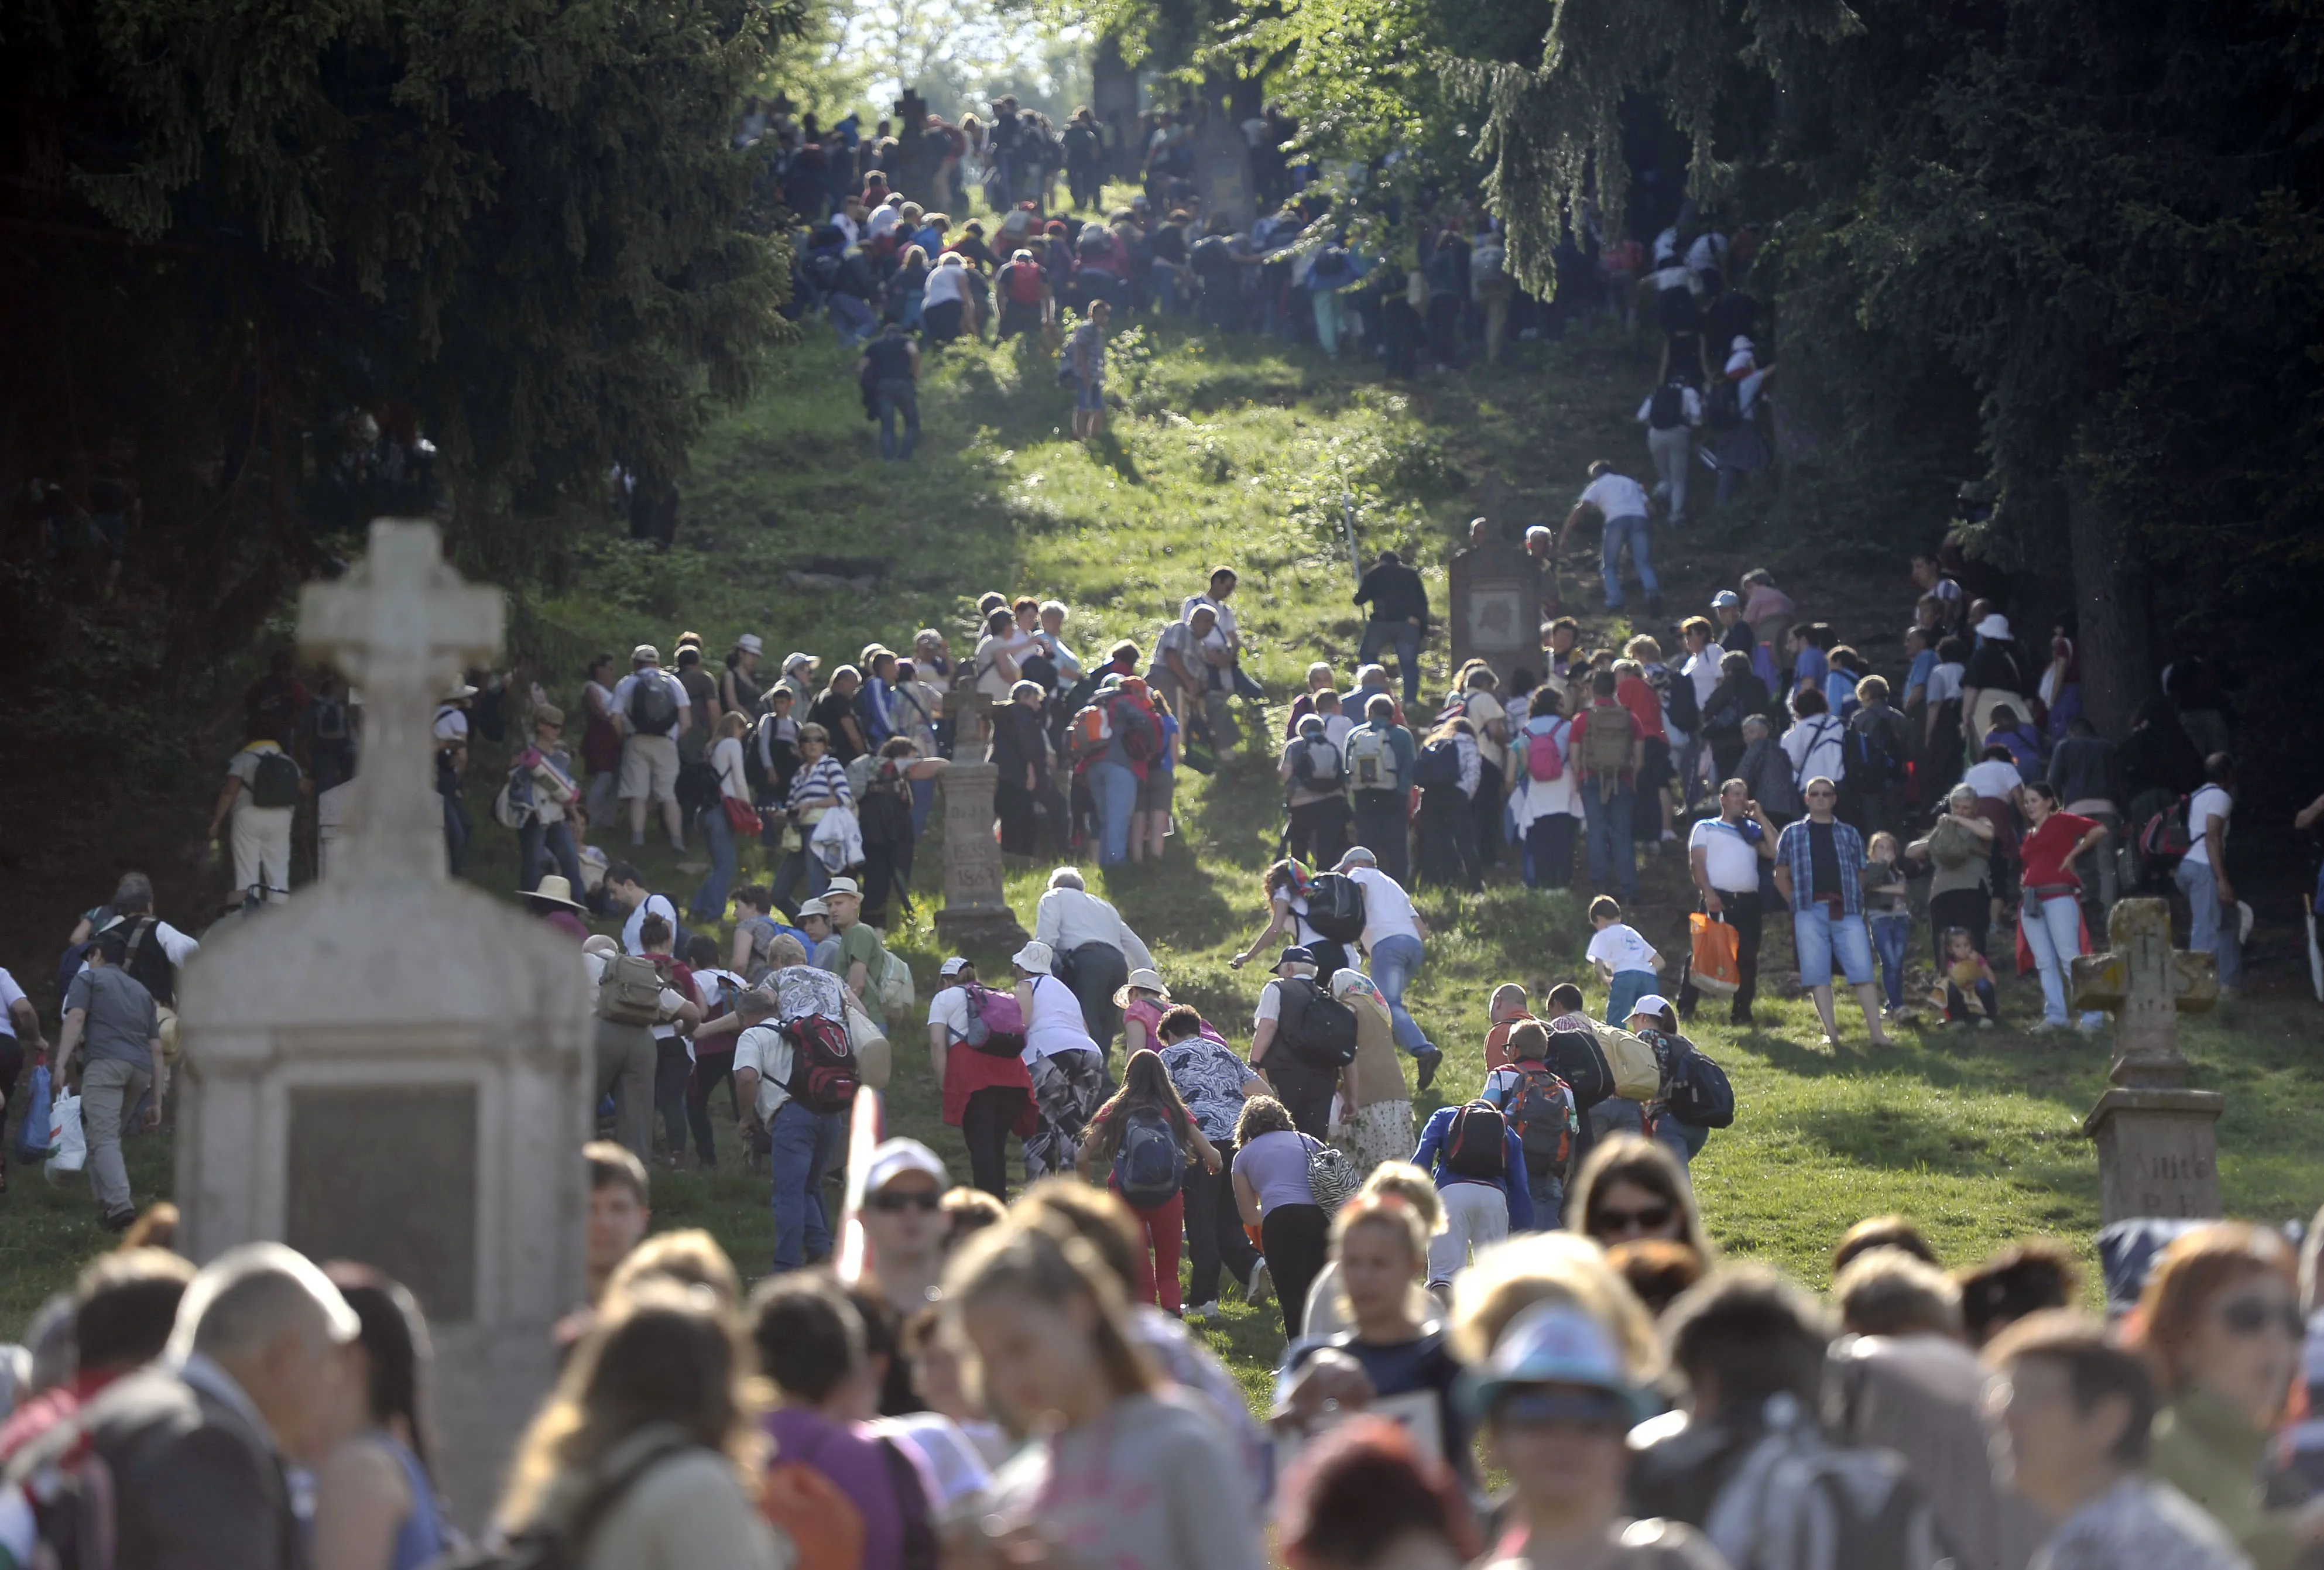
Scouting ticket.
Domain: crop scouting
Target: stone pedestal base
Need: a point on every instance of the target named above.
(984, 930)
(2158, 1152)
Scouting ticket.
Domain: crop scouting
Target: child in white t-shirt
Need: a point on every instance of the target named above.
(1625, 962)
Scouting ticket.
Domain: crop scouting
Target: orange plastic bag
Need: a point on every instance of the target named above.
(1716, 968)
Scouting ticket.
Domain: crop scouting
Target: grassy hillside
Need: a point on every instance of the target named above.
(1240, 452)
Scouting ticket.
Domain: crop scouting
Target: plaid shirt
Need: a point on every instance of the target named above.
(1847, 845)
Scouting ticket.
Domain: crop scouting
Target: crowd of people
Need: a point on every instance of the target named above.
(998, 1386)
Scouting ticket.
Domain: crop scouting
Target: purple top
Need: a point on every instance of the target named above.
(849, 1454)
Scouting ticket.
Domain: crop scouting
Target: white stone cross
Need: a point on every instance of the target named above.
(2147, 985)
(402, 626)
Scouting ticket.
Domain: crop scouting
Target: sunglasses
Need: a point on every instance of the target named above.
(2251, 1316)
(1822, 795)
(897, 1204)
(1599, 1413)
(1651, 1219)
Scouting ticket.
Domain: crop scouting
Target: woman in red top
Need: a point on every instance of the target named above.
(2049, 919)
(1651, 820)
(987, 1093)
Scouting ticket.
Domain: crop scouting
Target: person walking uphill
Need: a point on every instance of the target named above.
(1817, 862)
(1085, 363)
(1400, 618)
(1096, 948)
(264, 785)
(889, 371)
(1381, 757)
(1392, 938)
(110, 1021)
(1622, 502)
(1305, 1041)
(650, 705)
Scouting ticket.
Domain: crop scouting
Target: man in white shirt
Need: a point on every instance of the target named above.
(1815, 743)
(625, 887)
(1622, 502)
(802, 1143)
(650, 706)
(1392, 937)
(1098, 947)
(1726, 855)
(1224, 649)
(2202, 876)
(1181, 671)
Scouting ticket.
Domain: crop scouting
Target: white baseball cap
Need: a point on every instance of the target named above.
(894, 1158)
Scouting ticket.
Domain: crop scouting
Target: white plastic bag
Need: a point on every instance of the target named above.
(68, 1145)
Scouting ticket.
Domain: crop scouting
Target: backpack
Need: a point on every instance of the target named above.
(276, 782)
(2165, 838)
(629, 991)
(883, 816)
(1871, 758)
(894, 984)
(1681, 706)
(1021, 282)
(1371, 759)
(1546, 748)
(996, 1025)
(653, 707)
(1796, 1502)
(822, 1522)
(512, 803)
(824, 269)
(1488, 263)
(1142, 734)
(1091, 730)
(825, 1074)
(1318, 766)
(1699, 1095)
(1668, 411)
(1724, 409)
(563, 1544)
(1637, 1073)
(1319, 1028)
(1439, 765)
(1606, 748)
(890, 355)
(1477, 1144)
(755, 763)
(1148, 1167)
(1823, 725)
(1336, 907)
(1541, 1109)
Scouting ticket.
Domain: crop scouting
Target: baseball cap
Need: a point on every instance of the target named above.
(645, 654)
(1297, 953)
(952, 966)
(1725, 599)
(1653, 1003)
(1552, 1344)
(894, 1158)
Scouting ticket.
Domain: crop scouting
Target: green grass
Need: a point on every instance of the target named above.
(1240, 452)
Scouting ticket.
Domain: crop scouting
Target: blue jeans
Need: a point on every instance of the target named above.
(1634, 531)
(1546, 1188)
(802, 1146)
(1623, 993)
(1113, 787)
(2213, 927)
(542, 847)
(1819, 939)
(1405, 639)
(2054, 934)
(1612, 858)
(455, 835)
(852, 318)
(1890, 933)
(709, 901)
(799, 866)
(898, 397)
(1395, 961)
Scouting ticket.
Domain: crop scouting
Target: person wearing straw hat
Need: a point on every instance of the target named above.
(1143, 1000)
(1066, 1068)
(552, 900)
(451, 733)
(542, 785)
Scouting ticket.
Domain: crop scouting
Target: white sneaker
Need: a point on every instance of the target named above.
(2043, 1027)
(1260, 1288)
(1985, 1024)
(1209, 1310)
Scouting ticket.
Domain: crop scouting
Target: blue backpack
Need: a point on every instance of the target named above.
(1149, 1165)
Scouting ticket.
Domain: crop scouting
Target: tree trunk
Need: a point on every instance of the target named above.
(2116, 670)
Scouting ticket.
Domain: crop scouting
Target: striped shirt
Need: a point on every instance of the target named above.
(821, 783)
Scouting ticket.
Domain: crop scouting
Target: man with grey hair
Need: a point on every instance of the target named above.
(111, 1024)
(199, 1444)
(1095, 948)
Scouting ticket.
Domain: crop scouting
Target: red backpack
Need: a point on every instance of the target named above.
(1021, 281)
(825, 1074)
(1477, 1144)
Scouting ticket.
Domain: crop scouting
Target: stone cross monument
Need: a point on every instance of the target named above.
(394, 1068)
(1493, 595)
(2158, 1140)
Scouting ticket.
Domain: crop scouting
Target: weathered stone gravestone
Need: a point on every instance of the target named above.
(394, 1068)
(1494, 597)
(1222, 166)
(2158, 1140)
(975, 912)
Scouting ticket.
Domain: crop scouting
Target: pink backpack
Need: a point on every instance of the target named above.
(996, 1025)
(1544, 758)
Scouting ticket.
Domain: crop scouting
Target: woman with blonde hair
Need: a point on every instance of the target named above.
(1379, 1246)
(689, 1257)
(1327, 1311)
(658, 1396)
(1125, 1473)
(2220, 1324)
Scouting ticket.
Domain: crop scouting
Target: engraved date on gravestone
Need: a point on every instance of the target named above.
(387, 1175)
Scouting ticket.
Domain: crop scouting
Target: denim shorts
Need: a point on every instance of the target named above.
(1820, 937)
(1091, 398)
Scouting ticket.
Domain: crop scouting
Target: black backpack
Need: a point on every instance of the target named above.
(884, 815)
(1668, 409)
(1680, 704)
(1438, 765)
(1319, 1028)
(1872, 761)
(1318, 765)
(1699, 1095)
(1725, 412)
(276, 782)
(1336, 907)
(890, 355)
(1477, 1145)
(653, 707)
